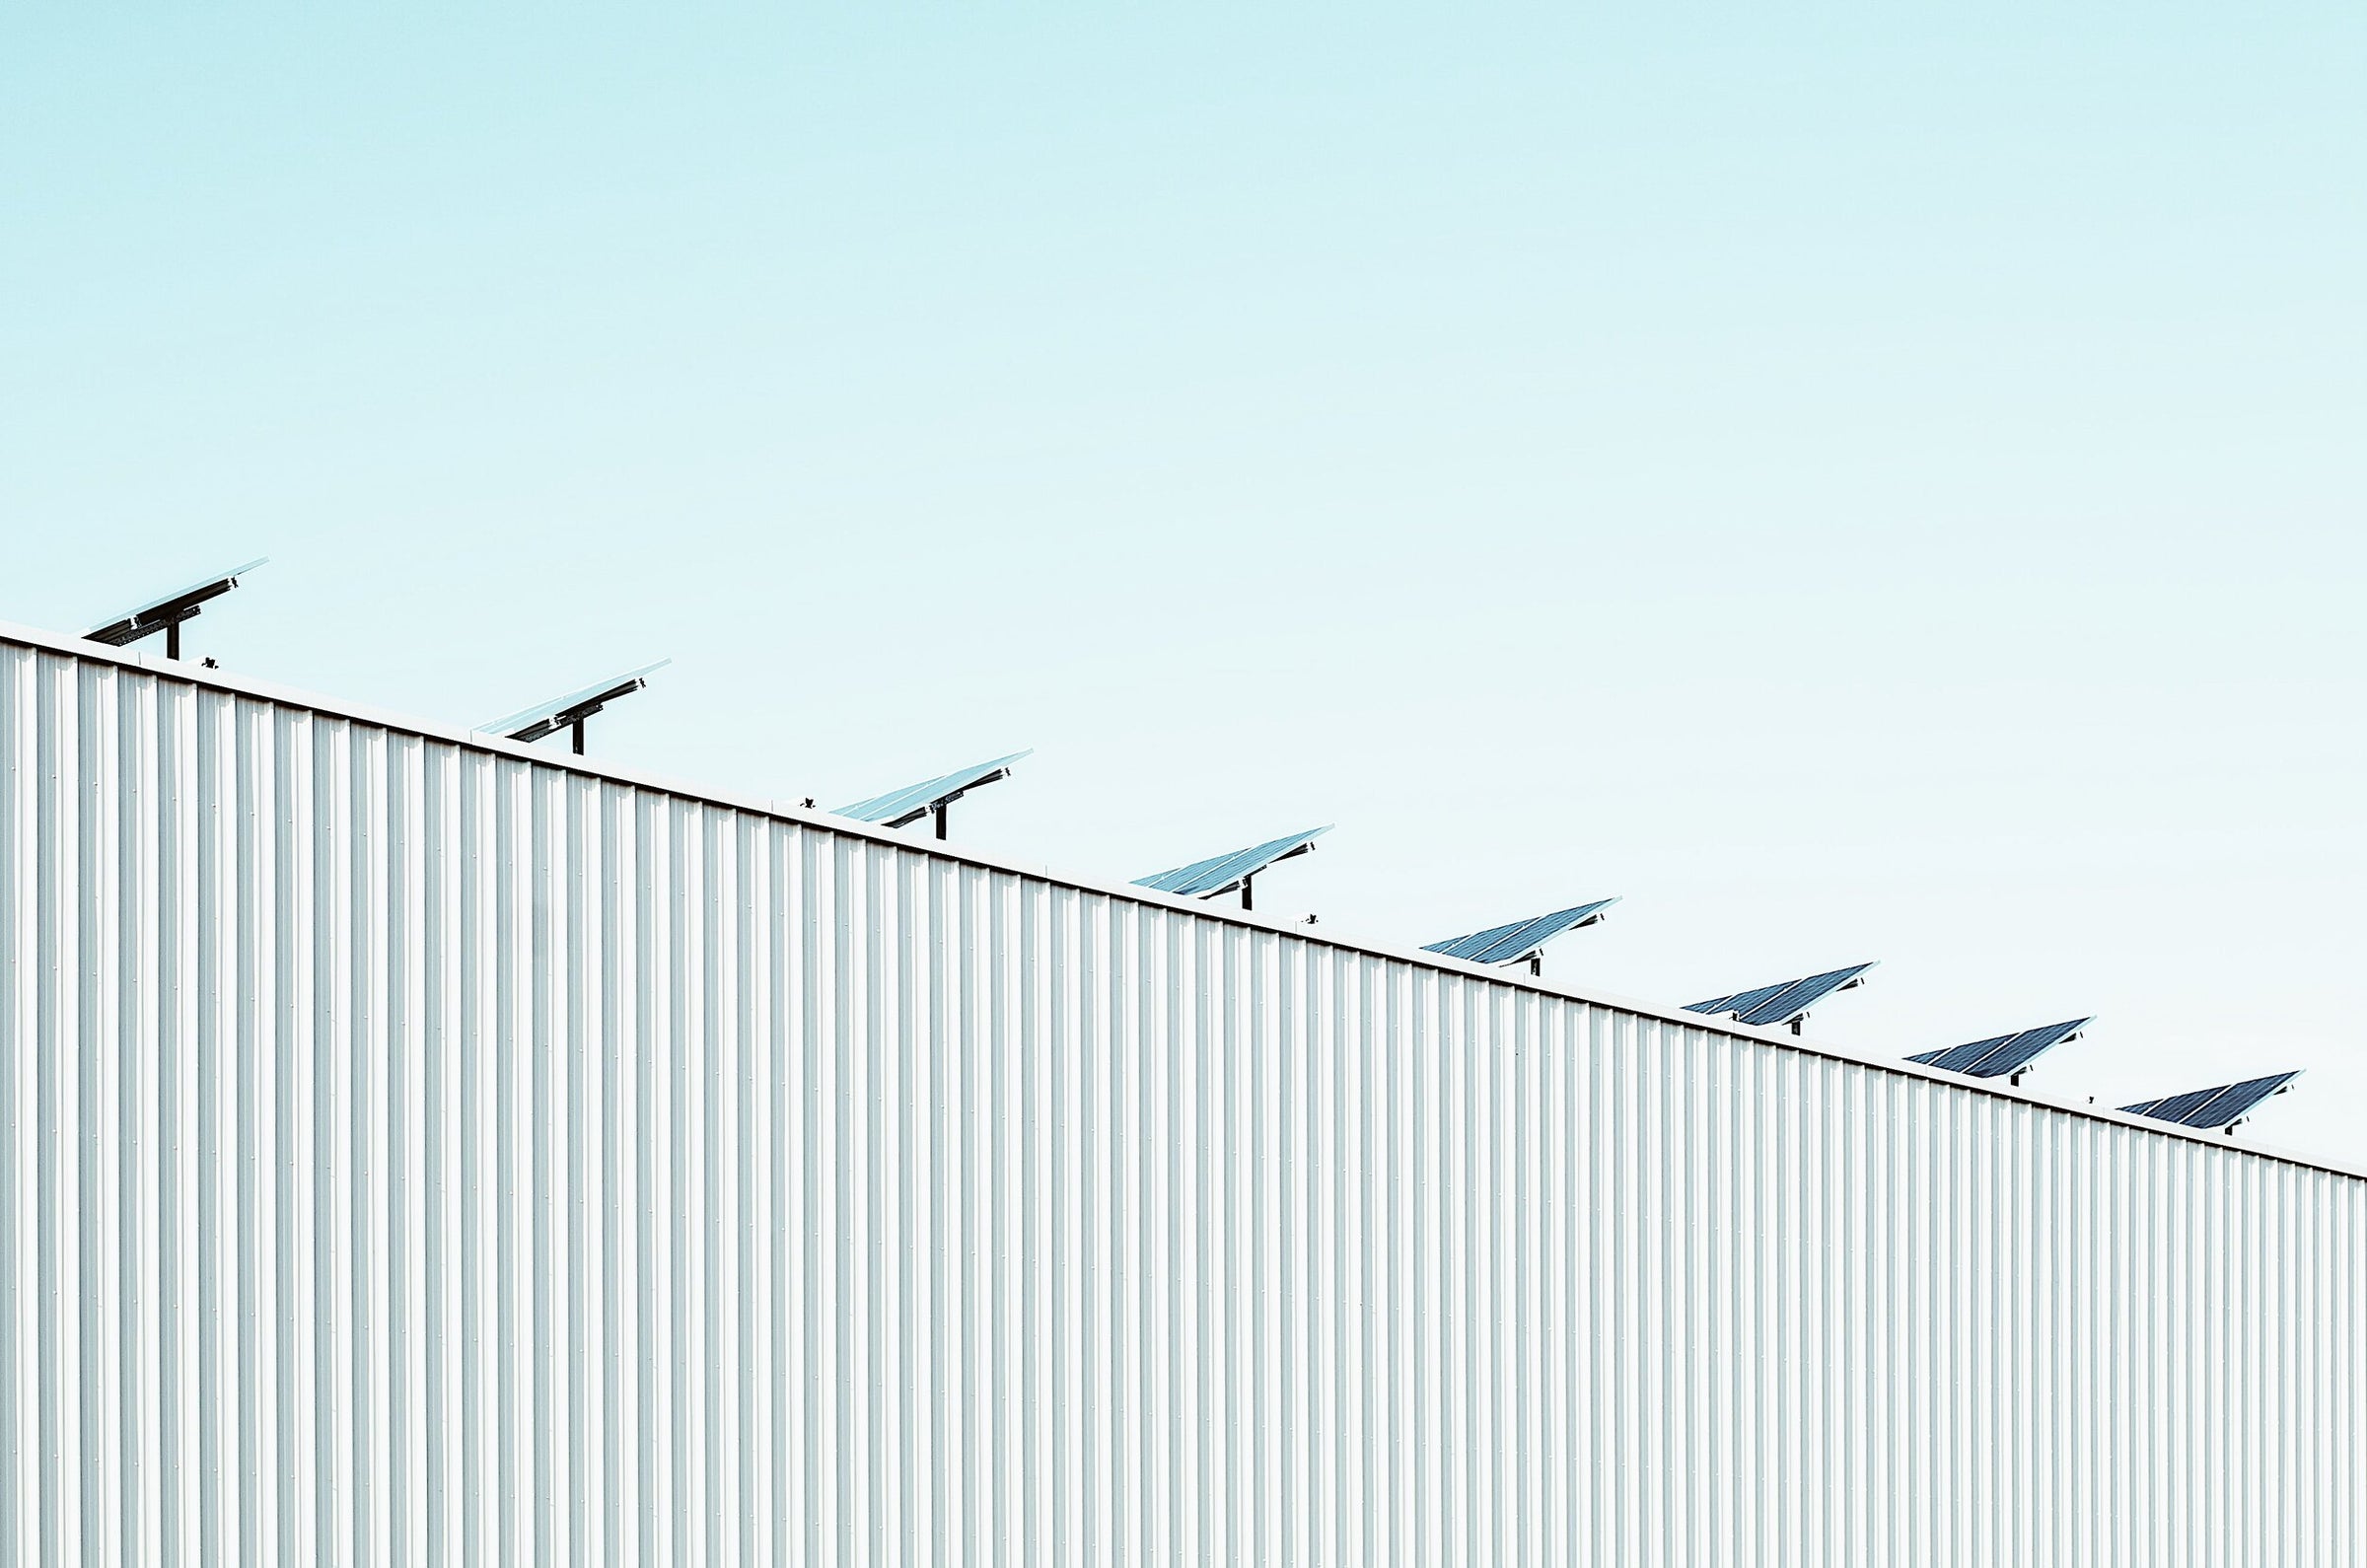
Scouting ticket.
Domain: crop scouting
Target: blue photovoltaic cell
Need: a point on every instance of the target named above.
(1740, 1001)
(2238, 1100)
(898, 807)
(1509, 944)
(1957, 1058)
(2213, 1108)
(1781, 1004)
(2178, 1107)
(2003, 1055)
(1205, 879)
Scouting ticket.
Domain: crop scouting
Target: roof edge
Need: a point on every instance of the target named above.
(1415, 957)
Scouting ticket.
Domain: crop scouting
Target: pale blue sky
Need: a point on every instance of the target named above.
(1858, 485)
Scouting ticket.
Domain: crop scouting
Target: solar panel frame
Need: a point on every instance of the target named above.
(1786, 1002)
(1516, 939)
(913, 802)
(1221, 874)
(2221, 1106)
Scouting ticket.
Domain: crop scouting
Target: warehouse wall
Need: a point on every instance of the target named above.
(409, 1153)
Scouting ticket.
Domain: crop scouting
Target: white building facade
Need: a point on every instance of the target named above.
(414, 1149)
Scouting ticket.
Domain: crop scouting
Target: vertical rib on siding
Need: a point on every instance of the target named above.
(410, 1154)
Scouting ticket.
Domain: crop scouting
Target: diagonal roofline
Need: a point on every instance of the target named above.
(788, 810)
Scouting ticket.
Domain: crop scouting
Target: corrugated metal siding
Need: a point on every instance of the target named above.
(411, 1154)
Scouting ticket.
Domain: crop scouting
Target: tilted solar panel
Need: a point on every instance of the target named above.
(2003, 1055)
(1517, 940)
(2222, 1106)
(916, 801)
(182, 603)
(1786, 1003)
(1221, 874)
(549, 718)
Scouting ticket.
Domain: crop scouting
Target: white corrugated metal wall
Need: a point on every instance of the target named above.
(413, 1153)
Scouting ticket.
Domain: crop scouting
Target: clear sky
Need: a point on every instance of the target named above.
(1855, 485)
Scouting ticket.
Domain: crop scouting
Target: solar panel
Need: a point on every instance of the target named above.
(2004, 1055)
(1221, 874)
(166, 612)
(931, 796)
(1520, 939)
(1785, 1003)
(570, 711)
(2222, 1106)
